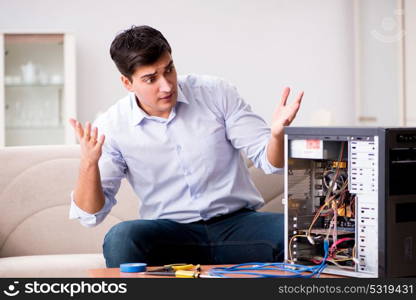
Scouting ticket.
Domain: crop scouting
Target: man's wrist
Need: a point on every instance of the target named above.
(87, 164)
(278, 131)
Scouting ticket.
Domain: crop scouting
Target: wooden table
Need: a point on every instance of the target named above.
(115, 273)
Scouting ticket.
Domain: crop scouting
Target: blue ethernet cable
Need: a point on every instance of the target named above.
(296, 269)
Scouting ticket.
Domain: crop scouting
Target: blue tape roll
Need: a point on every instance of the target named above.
(133, 267)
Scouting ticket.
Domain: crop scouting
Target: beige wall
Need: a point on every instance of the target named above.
(260, 46)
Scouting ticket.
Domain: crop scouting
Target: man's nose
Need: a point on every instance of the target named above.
(165, 85)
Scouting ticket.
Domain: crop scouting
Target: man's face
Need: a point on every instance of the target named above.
(155, 86)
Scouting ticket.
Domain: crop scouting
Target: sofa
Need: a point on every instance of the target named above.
(37, 238)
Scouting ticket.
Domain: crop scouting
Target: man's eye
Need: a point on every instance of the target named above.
(149, 80)
(170, 69)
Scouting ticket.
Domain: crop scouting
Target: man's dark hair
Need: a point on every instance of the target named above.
(137, 46)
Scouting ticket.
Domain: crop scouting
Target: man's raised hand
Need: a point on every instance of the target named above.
(91, 145)
(285, 113)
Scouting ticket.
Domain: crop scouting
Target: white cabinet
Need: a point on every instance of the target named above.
(379, 70)
(385, 64)
(410, 62)
(37, 88)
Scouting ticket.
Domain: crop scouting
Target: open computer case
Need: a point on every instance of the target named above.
(356, 189)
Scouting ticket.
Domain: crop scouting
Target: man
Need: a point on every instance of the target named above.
(178, 143)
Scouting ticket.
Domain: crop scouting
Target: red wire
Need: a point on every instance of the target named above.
(334, 245)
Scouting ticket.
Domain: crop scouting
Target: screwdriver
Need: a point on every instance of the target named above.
(182, 274)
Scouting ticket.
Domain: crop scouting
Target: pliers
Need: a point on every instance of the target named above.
(177, 267)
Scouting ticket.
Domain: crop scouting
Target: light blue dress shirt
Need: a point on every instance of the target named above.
(187, 167)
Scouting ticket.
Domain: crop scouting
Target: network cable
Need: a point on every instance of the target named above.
(298, 271)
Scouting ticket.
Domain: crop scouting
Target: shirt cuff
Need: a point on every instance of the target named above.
(86, 219)
(268, 168)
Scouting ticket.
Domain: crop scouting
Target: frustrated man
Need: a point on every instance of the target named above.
(178, 143)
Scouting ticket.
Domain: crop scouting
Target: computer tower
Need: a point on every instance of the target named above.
(355, 188)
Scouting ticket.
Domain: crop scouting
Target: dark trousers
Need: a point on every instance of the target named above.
(242, 236)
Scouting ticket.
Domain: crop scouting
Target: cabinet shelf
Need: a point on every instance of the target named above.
(33, 85)
(33, 127)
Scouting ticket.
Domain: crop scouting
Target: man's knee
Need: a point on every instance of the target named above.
(129, 231)
(271, 228)
(129, 241)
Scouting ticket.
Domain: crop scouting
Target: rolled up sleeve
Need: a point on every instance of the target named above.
(112, 170)
(246, 130)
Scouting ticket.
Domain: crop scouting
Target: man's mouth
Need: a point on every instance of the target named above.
(167, 98)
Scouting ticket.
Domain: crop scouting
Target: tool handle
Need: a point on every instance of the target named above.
(186, 274)
(182, 267)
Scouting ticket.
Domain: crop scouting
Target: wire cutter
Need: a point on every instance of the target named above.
(177, 267)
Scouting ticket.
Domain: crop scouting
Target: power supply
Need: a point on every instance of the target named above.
(354, 189)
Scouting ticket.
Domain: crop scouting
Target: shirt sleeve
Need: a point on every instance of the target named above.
(246, 130)
(112, 170)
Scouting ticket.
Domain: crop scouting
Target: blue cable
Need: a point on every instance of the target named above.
(296, 269)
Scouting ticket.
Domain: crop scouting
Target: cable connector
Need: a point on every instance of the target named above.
(310, 239)
(356, 260)
(326, 247)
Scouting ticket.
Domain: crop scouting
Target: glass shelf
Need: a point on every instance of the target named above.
(33, 127)
(34, 85)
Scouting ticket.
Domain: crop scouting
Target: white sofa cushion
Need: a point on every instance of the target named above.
(60, 265)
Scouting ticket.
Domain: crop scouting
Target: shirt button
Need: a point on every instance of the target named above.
(179, 148)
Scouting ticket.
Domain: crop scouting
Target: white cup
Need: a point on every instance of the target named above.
(29, 73)
(16, 80)
(43, 78)
(8, 79)
(56, 79)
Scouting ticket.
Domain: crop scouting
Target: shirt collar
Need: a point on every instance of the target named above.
(181, 95)
(137, 114)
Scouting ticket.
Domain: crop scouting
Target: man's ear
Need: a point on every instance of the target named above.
(127, 83)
